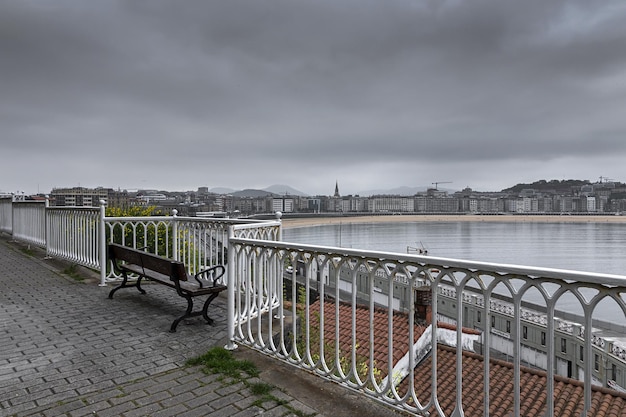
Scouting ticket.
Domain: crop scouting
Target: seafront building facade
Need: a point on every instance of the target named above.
(599, 198)
(88, 197)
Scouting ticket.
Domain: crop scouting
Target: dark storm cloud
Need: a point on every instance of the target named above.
(250, 93)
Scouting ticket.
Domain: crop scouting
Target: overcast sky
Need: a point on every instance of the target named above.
(177, 95)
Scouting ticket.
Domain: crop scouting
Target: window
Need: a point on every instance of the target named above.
(581, 353)
(543, 338)
(596, 362)
(508, 326)
(479, 317)
(525, 332)
(613, 372)
(493, 321)
(563, 345)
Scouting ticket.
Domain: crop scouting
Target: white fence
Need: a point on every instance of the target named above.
(6, 215)
(80, 234)
(29, 222)
(73, 235)
(198, 242)
(339, 338)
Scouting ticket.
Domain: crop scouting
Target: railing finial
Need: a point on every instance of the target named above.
(278, 215)
(174, 212)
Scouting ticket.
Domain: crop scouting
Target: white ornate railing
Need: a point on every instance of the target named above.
(73, 235)
(294, 335)
(29, 222)
(198, 242)
(80, 234)
(6, 214)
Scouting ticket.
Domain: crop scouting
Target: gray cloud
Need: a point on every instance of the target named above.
(243, 94)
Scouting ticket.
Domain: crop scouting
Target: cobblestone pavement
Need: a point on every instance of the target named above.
(68, 350)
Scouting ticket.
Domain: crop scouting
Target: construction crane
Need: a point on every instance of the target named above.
(440, 182)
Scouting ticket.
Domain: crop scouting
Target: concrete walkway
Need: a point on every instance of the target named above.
(67, 350)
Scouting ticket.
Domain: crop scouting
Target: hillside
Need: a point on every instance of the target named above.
(564, 186)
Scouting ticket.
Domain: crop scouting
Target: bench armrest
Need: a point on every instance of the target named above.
(213, 275)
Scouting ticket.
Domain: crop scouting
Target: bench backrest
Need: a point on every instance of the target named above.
(165, 266)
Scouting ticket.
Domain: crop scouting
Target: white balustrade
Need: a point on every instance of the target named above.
(264, 315)
(6, 214)
(73, 235)
(29, 222)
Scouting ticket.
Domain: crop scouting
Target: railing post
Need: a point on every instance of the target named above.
(103, 244)
(278, 215)
(175, 237)
(47, 233)
(230, 312)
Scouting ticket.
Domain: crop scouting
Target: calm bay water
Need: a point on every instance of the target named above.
(591, 247)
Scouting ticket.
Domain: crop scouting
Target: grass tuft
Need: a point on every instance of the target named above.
(221, 361)
(72, 272)
(261, 388)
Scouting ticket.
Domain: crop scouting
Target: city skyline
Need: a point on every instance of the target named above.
(286, 189)
(543, 197)
(244, 94)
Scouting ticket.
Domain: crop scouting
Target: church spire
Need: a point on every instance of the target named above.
(336, 189)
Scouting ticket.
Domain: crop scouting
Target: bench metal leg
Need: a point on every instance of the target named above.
(125, 284)
(206, 307)
(191, 313)
(188, 313)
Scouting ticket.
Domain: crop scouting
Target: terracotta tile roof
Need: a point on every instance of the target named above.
(379, 324)
(568, 393)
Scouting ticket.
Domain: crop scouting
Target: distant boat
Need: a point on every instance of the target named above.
(420, 251)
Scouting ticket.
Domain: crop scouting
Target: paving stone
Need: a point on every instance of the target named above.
(226, 401)
(202, 411)
(66, 349)
(154, 398)
(250, 412)
(188, 386)
(202, 400)
(89, 410)
(301, 407)
(227, 411)
(230, 388)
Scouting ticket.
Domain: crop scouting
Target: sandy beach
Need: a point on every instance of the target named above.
(312, 221)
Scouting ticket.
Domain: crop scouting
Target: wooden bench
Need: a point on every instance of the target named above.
(168, 272)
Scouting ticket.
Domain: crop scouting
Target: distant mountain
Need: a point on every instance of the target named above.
(221, 190)
(284, 190)
(249, 192)
(278, 189)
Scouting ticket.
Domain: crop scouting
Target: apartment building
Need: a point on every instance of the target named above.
(88, 197)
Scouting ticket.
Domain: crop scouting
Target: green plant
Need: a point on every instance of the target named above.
(72, 272)
(151, 236)
(331, 351)
(28, 251)
(261, 388)
(219, 360)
